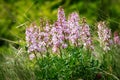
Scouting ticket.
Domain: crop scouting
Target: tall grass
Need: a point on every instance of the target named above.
(14, 66)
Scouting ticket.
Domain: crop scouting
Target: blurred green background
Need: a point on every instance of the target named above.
(15, 15)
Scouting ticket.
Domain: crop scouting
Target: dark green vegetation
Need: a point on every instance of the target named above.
(75, 63)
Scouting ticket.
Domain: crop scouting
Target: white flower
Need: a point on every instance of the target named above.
(31, 56)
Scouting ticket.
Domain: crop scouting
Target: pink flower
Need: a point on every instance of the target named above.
(37, 41)
(104, 34)
(31, 37)
(116, 38)
(86, 36)
(74, 27)
(59, 30)
(61, 15)
(61, 23)
(47, 27)
(61, 37)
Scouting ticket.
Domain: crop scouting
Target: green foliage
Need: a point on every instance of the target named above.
(75, 63)
(71, 65)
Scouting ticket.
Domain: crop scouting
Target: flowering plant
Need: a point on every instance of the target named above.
(73, 41)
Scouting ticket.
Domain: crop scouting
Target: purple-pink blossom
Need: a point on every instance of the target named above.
(59, 30)
(74, 28)
(104, 34)
(86, 36)
(32, 34)
(116, 38)
(64, 32)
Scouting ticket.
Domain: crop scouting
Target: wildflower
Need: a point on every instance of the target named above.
(104, 34)
(86, 36)
(31, 38)
(61, 23)
(47, 35)
(116, 38)
(37, 41)
(61, 15)
(59, 30)
(74, 27)
(47, 27)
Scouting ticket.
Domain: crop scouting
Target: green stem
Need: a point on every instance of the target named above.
(35, 55)
(60, 53)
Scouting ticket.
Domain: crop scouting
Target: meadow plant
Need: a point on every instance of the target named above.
(75, 28)
(61, 34)
(59, 31)
(66, 32)
(104, 34)
(86, 36)
(116, 38)
(74, 42)
(32, 34)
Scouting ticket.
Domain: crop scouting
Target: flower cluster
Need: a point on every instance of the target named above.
(32, 34)
(74, 27)
(59, 35)
(65, 32)
(116, 38)
(104, 34)
(59, 31)
(86, 36)
(37, 41)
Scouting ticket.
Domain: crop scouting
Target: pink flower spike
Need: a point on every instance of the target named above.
(104, 34)
(61, 14)
(116, 38)
(86, 36)
(74, 27)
